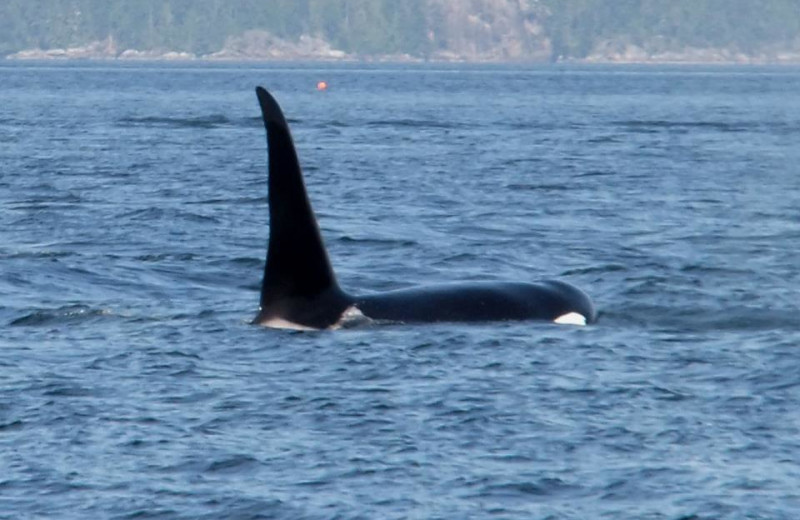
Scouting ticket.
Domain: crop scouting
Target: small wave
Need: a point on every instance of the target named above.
(605, 268)
(596, 173)
(156, 213)
(602, 139)
(66, 390)
(538, 187)
(651, 126)
(414, 123)
(233, 464)
(46, 254)
(210, 121)
(709, 269)
(719, 319)
(236, 200)
(243, 261)
(66, 314)
(146, 514)
(61, 200)
(455, 258)
(11, 426)
(543, 487)
(532, 125)
(335, 123)
(376, 241)
(160, 257)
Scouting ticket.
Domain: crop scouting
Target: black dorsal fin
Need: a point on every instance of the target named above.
(297, 262)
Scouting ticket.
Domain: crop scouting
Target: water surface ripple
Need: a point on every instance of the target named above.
(133, 204)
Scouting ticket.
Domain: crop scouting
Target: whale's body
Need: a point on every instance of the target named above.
(299, 289)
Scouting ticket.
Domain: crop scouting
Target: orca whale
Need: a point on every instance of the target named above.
(299, 289)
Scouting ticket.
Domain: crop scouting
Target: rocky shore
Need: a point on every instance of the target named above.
(99, 50)
(262, 46)
(611, 51)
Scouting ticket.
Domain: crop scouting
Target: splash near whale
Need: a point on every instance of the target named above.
(299, 288)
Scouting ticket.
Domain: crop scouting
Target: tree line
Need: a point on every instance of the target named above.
(368, 27)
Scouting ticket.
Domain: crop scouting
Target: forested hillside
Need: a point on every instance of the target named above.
(489, 30)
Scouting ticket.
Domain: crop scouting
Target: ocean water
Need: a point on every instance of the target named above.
(134, 228)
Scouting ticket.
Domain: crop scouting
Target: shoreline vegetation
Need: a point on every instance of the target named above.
(261, 46)
(469, 31)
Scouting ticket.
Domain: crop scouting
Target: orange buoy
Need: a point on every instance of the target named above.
(322, 85)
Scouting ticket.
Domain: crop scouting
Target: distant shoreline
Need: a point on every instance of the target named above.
(262, 47)
(404, 60)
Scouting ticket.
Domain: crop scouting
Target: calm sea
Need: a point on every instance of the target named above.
(133, 228)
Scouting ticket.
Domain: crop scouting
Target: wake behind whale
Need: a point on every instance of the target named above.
(299, 288)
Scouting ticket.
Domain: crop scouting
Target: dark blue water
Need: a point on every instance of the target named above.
(134, 227)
